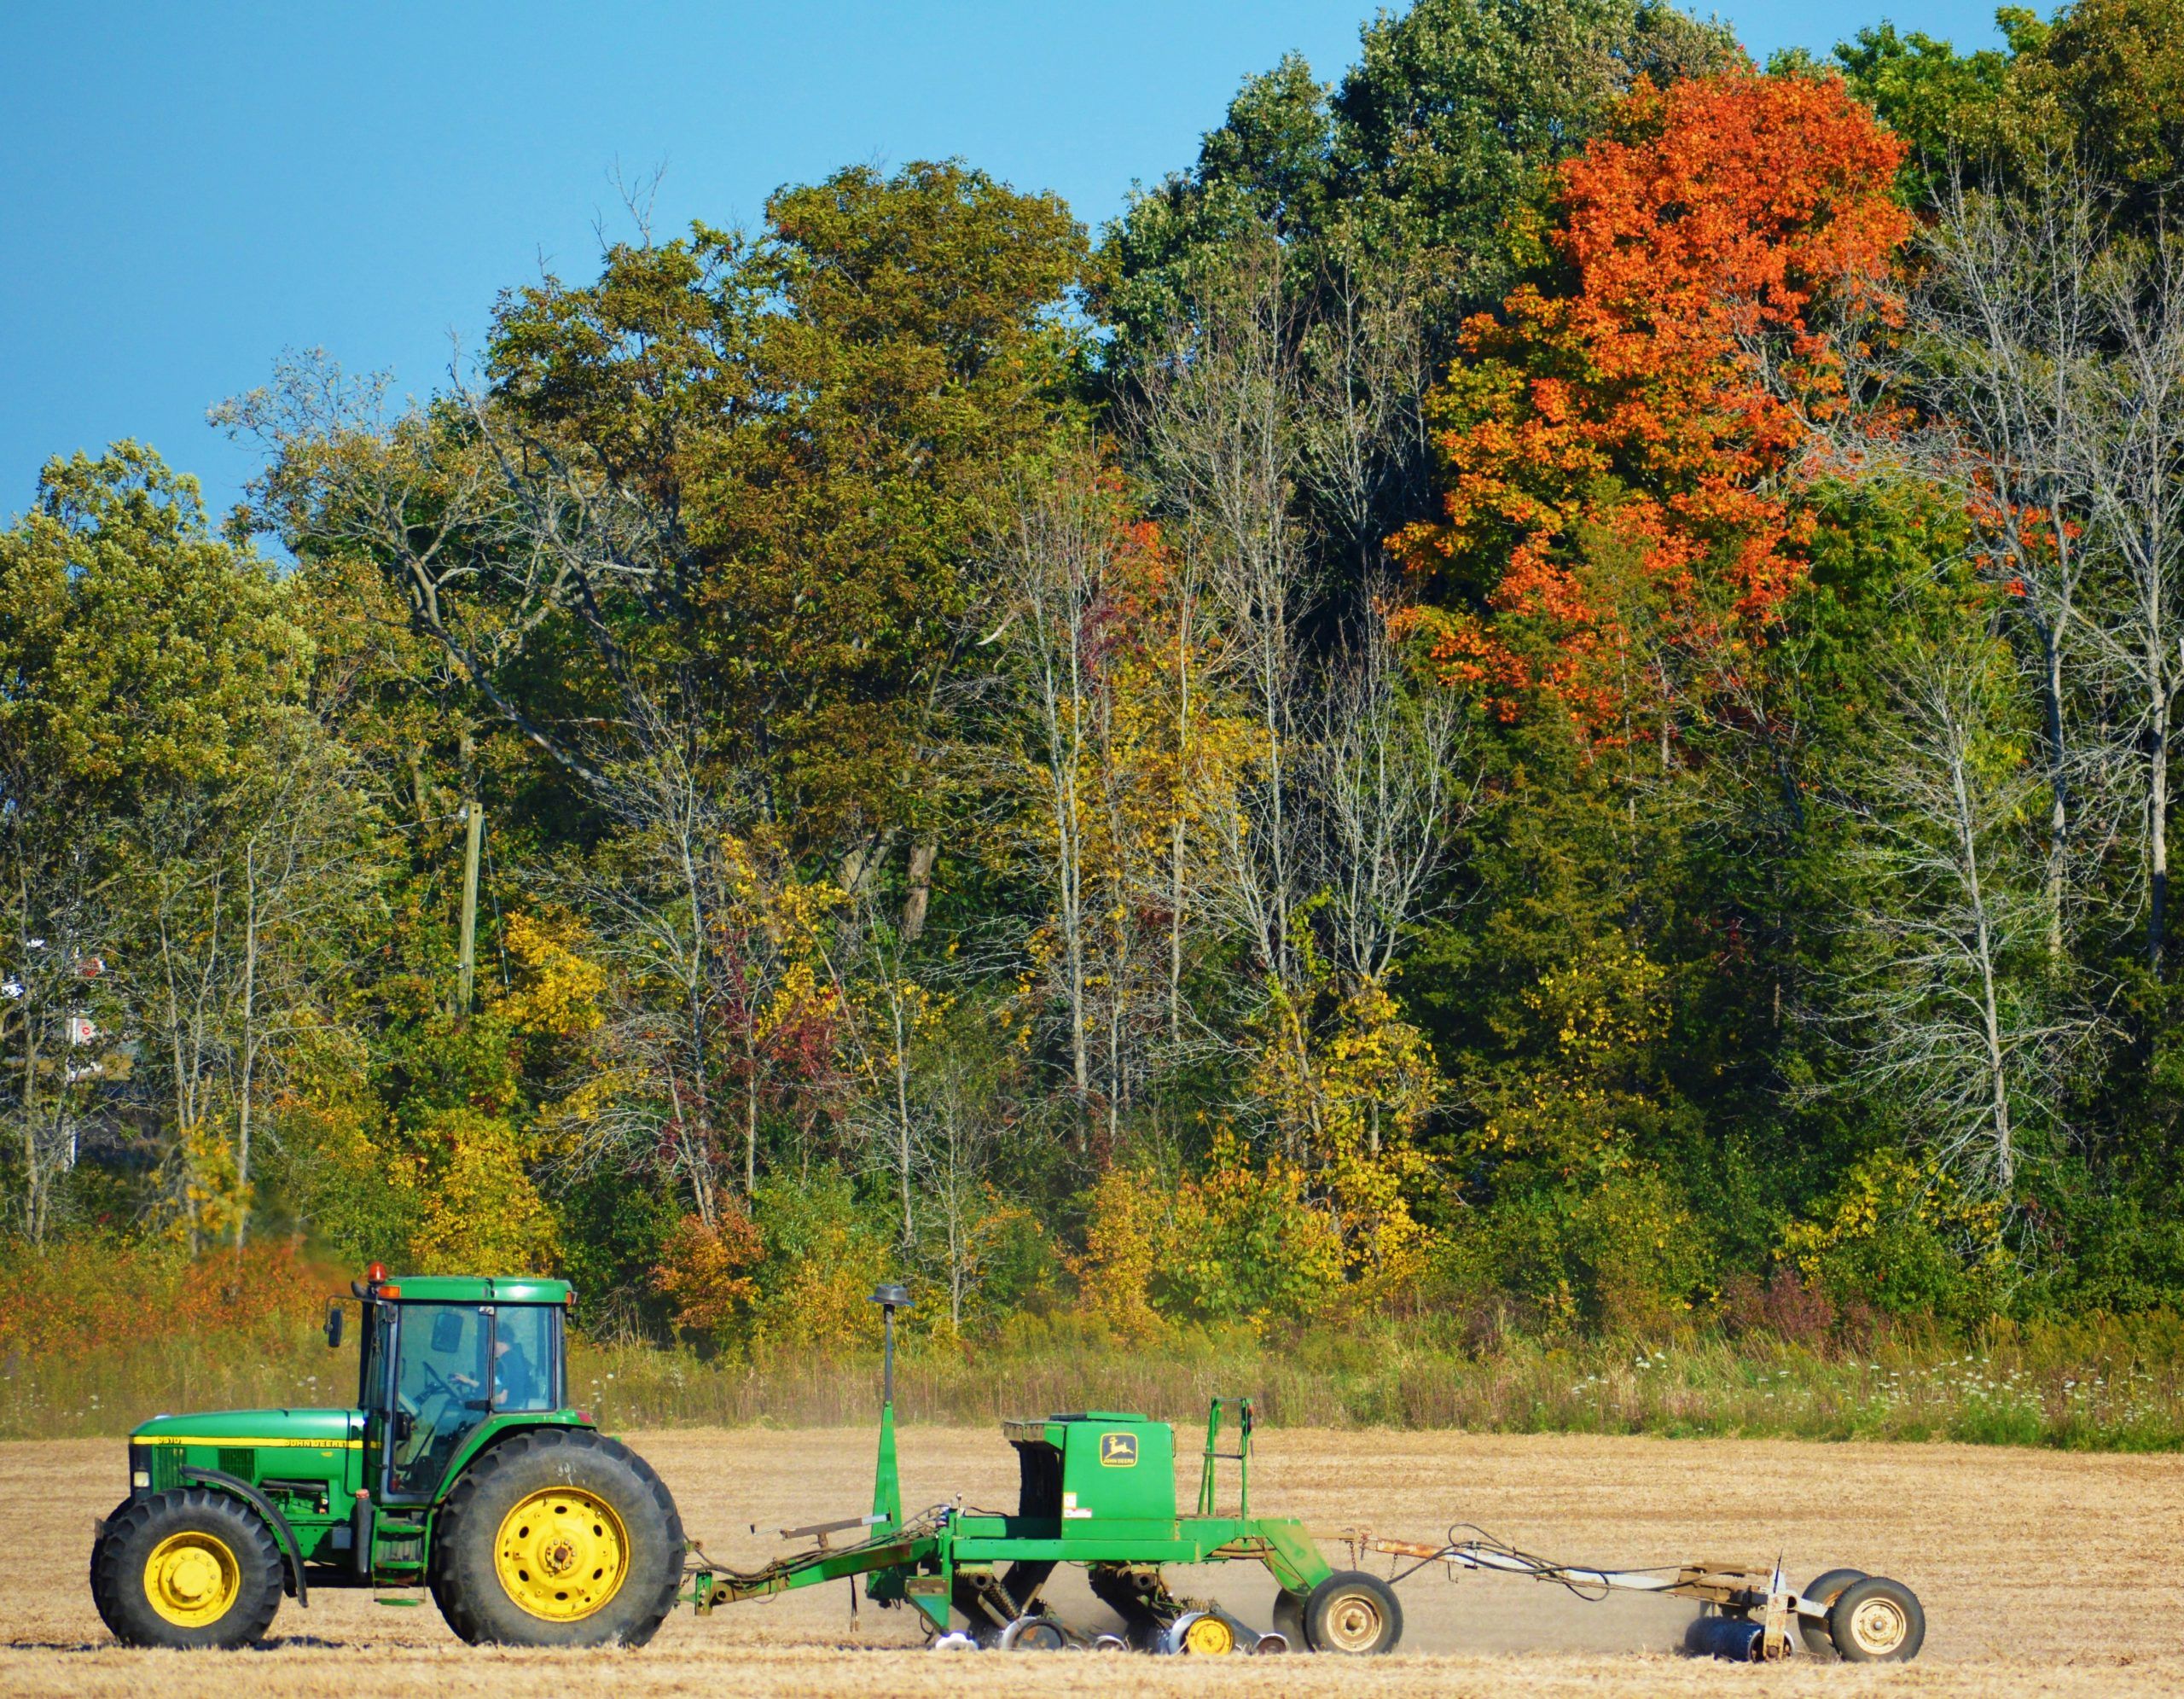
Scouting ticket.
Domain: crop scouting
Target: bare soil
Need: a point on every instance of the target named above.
(2041, 1572)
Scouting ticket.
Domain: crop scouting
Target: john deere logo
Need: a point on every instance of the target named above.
(1118, 1450)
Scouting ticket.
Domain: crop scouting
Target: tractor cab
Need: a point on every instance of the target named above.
(443, 1356)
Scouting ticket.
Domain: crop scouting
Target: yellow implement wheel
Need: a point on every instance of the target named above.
(1209, 1637)
(1877, 1621)
(1353, 1613)
(192, 1578)
(561, 1554)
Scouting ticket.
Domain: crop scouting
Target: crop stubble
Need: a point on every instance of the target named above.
(2041, 1572)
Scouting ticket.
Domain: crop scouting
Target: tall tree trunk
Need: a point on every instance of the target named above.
(34, 1182)
(249, 1042)
(919, 894)
(1187, 606)
(2058, 800)
(903, 1147)
(1983, 944)
(1176, 932)
(751, 1130)
(2157, 834)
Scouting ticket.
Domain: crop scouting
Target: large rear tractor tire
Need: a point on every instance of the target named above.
(1354, 1614)
(1289, 1617)
(186, 1569)
(557, 1537)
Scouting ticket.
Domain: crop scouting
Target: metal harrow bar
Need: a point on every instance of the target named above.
(1737, 1592)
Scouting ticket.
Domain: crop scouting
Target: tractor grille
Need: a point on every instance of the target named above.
(236, 1460)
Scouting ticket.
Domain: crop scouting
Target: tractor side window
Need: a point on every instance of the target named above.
(440, 1376)
(524, 1358)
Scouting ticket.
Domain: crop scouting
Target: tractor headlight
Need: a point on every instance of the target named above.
(140, 1467)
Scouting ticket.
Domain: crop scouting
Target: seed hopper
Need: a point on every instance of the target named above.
(1097, 1489)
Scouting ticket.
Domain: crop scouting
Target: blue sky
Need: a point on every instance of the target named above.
(192, 188)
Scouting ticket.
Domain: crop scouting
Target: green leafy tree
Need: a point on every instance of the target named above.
(1432, 151)
(178, 833)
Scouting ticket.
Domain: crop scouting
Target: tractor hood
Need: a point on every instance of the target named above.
(343, 1427)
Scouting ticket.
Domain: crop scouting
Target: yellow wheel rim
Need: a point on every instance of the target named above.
(1879, 1625)
(1209, 1638)
(561, 1554)
(1355, 1622)
(192, 1578)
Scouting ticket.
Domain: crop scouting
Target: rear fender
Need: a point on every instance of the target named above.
(496, 1429)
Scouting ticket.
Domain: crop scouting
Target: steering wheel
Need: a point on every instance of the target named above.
(440, 1383)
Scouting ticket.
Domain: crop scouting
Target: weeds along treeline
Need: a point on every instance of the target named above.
(1545, 687)
(96, 1336)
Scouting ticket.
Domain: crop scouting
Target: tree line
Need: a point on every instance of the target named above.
(1545, 686)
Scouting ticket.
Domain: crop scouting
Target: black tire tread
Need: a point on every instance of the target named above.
(460, 1521)
(1826, 1587)
(102, 1592)
(119, 1550)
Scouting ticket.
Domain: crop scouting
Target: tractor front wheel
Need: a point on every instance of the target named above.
(187, 1568)
(557, 1537)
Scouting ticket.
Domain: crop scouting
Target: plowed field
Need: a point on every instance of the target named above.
(2040, 1573)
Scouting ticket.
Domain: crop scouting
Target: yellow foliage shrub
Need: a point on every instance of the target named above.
(557, 988)
(1352, 1098)
(209, 1192)
(1641, 1251)
(823, 1304)
(1126, 1233)
(1247, 1243)
(823, 1256)
(1901, 1236)
(477, 1211)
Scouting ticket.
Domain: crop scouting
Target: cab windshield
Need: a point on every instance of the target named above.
(455, 1363)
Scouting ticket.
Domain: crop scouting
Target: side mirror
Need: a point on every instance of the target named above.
(333, 1325)
(447, 1333)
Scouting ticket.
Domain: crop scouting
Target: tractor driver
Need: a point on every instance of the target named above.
(514, 1382)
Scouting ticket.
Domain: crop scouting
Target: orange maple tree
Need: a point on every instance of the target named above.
(1611, 447)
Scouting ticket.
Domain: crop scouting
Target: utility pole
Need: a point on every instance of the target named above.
(473, 817)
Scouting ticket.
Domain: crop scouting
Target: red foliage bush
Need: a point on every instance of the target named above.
(1784, 1308)
(109, 1294)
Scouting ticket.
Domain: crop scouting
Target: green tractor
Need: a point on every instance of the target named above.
(461, 1468)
